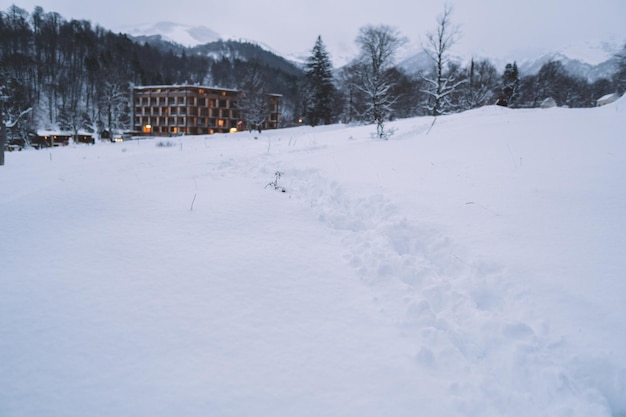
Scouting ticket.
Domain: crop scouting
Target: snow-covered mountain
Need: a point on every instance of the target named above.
(185, 35)
(591, 60)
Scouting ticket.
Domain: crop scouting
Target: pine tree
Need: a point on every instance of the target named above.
(511, 83)
(319, 87)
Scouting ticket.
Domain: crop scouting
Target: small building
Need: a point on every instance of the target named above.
(607, 99)
(548, 103)
(166, 110)
(49, 138)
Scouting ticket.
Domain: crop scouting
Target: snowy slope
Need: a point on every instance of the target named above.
(471, 268)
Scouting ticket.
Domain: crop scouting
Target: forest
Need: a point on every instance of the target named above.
(71, 75)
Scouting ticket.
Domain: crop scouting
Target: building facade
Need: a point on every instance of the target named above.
(193, 110)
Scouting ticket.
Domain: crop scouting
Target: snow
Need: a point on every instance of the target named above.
(471, 268)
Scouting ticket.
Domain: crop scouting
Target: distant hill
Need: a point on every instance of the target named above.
(247, 52)
(575, 67)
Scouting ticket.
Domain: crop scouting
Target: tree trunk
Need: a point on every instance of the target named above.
(3, 133)
(3, 139)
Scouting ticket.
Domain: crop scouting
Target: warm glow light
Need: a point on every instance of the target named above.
(233, 130)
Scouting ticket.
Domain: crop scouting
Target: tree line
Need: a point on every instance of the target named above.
(73, 76)
(373, 89)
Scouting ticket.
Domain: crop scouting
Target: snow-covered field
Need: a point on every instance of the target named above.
(473, 269)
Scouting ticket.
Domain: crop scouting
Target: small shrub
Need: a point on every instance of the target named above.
(274, 184)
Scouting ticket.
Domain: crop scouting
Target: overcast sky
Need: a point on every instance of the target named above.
(494, 28)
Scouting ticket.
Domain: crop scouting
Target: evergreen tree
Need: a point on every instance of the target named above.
(511, 83)
(319, 88)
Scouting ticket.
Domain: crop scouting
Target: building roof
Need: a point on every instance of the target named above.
(150, 87)
(58, 132)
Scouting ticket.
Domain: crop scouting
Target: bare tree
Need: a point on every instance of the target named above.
(441, 84)
(253, 99)
(4, 125)
(620, 76)
(379, 45)
(482, 82)
(113, 101)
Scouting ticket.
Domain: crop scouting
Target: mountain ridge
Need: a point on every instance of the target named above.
(591, 60)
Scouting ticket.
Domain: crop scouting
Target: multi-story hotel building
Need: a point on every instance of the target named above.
(162, 110)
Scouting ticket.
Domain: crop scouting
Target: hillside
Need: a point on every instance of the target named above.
(471, 265)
